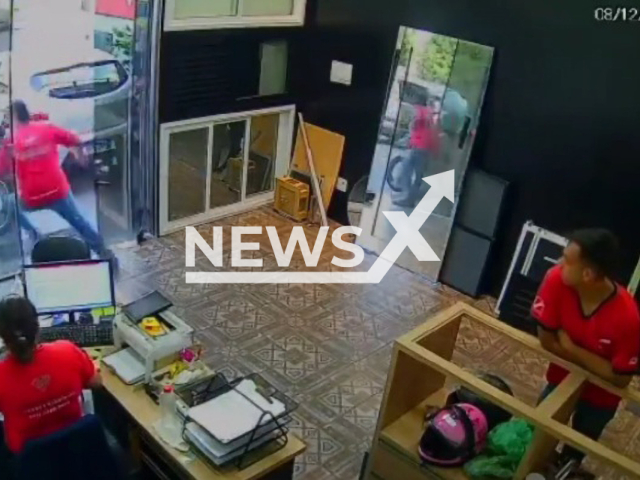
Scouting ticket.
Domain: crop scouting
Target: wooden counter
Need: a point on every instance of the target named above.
(420, 368)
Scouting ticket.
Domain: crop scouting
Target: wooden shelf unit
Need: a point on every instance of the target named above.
(420, 368)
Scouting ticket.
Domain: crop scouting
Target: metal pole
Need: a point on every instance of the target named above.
(314, 177)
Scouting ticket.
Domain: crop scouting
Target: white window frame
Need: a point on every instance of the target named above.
(246, 203)
(237, 21)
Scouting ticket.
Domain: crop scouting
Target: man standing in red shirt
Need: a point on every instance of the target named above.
(586, 318)
(42, 183)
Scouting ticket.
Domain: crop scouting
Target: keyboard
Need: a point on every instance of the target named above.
(82, 335)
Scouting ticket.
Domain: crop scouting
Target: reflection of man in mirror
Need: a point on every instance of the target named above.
(42, 183)
(406, 172)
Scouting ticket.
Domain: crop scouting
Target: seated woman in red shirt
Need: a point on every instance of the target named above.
(40, 385)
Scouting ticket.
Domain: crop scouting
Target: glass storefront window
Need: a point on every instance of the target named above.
(187, 172)
(246, 151)
(211, 8)
(227, 164)
(262, 153)
(206, 14)
(266, 8)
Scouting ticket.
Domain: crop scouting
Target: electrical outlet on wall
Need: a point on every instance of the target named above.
(342, 184)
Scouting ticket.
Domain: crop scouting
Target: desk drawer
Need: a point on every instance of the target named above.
(155, 465)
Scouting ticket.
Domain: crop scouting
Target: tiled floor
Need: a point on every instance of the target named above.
(328, 346)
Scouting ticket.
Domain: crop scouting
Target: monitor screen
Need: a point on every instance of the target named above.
(68, 287)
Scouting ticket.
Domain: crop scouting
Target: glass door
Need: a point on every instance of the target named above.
(10, 249)
(228, 164)
(432, 111)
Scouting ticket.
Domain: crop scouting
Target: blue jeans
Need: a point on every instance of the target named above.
(587, 419)
(68, 210)
(407, 177)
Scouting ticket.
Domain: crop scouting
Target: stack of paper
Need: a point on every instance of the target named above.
(220, 453)
(232, 415)
(127, 365)
(222, 427)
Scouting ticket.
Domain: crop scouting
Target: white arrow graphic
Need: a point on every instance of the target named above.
(407, 235)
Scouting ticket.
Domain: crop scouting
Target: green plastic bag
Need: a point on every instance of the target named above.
(505, 448)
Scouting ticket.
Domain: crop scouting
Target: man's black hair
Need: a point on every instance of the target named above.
(599, 248)
(20, 111)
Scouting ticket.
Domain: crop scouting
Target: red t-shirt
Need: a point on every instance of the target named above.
(612, 331)
(41, 179)
(43, 396)
(424, 131)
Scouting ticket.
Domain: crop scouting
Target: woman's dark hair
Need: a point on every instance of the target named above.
(599, 248)
(20, 111)
(19, 327)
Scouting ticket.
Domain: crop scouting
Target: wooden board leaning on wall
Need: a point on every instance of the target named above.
(327, 148)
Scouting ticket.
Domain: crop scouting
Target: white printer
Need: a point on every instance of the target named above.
(150, 349)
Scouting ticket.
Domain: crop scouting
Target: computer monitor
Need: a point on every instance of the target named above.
(69, 286)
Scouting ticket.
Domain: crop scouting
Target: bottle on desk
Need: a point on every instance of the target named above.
(169, 422)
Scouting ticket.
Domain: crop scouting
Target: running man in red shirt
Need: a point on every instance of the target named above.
(40, 385)
(42, 183)
(406, 172)
(588, 319)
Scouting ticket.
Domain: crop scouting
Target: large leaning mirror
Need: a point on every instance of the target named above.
(431, 113)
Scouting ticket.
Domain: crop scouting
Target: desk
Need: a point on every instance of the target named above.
(145, 413)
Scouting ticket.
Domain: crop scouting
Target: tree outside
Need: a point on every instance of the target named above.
(469, 72)
(408, 42)
(436, 59)
(123, 43)
(460, 65)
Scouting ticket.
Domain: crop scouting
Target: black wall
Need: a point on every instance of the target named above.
(208, 72)
(561, 115)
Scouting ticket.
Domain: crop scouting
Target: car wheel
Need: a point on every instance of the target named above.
(392, 180)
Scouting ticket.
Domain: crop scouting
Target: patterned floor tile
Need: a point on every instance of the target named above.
(296, 360)
(317, 473)
(364, 417)
(234, 314)
(379, 361)
(301, 300)
(347, 465)
(354, 327)
(522, 368)
(323, 445)
(398, 298)
(340, 393)
(148, 257)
